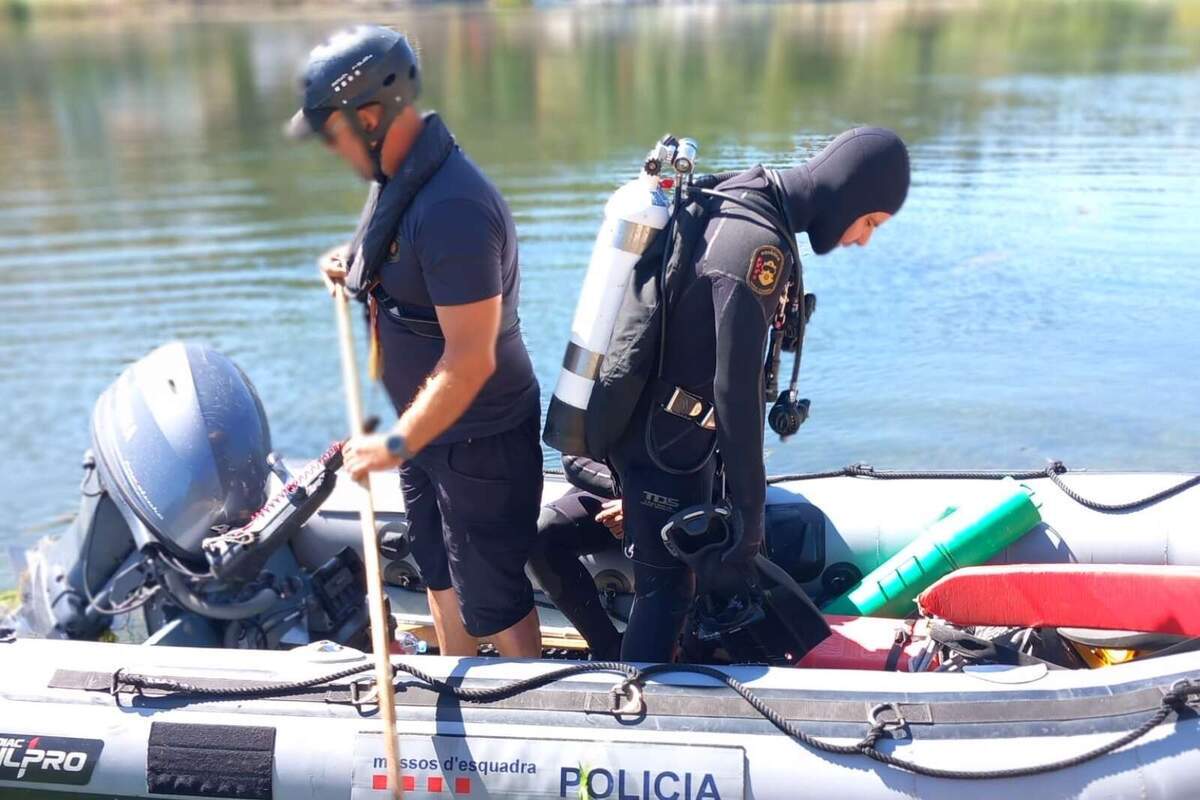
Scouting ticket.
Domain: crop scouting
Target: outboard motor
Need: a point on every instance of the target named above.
(62, 574)
(175, 518)
(181, 441)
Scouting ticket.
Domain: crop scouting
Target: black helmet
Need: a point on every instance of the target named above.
(353, 68)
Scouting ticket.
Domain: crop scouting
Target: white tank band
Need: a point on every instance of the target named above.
(633, 237)
(573, 390)
(581, 361)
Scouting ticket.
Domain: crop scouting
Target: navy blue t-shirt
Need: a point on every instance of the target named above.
(457, 244)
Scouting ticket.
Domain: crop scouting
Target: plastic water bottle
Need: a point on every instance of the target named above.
(407, 644)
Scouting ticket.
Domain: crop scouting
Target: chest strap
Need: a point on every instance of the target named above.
(408, 316)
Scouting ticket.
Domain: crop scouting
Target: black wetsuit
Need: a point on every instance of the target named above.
(715, 341)
(567, 529)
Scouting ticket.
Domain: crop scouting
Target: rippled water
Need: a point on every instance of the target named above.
(1038, 296)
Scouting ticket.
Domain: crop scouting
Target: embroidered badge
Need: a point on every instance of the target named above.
(765, 266)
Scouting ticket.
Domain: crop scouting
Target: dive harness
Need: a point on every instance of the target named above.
(789, 411)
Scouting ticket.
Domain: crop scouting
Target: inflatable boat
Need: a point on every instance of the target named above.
(85, 719)
(198, 631)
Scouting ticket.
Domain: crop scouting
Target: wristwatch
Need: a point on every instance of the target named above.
(398, 447)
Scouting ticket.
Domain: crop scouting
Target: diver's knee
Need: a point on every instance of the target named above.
(550, 519)
(542, 562)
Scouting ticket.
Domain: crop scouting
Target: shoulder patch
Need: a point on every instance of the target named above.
(765, 265)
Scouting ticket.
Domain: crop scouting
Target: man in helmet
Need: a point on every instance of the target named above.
(435, 258)
(710, 397)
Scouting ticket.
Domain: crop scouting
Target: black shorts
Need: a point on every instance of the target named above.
(472, 511)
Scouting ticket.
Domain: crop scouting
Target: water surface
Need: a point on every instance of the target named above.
(1038, 296)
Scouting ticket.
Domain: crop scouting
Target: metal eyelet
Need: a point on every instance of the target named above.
(363, 691)
(627, 700)
(896, 728)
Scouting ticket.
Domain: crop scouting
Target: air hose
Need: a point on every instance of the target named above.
(262, 600)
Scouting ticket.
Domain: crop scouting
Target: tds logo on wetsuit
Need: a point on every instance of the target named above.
(765, 266)
(48, 759)
(659, 502)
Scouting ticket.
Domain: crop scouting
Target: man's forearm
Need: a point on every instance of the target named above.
(445, 397)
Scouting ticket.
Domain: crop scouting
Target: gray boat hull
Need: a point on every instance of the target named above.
(696, 739)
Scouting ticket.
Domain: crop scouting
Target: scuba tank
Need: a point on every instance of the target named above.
(633, 217)
(618, 330)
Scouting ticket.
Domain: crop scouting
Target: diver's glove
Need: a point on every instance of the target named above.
(745, 545)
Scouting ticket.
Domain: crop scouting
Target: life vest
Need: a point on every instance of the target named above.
(380, 219)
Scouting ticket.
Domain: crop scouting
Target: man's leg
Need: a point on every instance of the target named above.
(663, 586)
(523, 640)
(567, 529)
(452, 636)
(489, 494)
(429, 551)
(662, 599)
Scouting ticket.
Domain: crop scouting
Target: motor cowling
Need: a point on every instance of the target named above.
(181, 441)
(634, 215)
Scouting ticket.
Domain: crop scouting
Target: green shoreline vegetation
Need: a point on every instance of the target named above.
(22, 11)
(9, 600)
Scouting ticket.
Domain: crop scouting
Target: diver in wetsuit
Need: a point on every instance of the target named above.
(584, 521)
(708, 403)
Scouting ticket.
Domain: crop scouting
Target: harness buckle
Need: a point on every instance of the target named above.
(684, 404)
(687, 406)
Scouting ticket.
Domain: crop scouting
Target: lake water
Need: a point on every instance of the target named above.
(1038, 296)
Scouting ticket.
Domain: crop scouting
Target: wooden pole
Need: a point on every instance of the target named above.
(380, 640)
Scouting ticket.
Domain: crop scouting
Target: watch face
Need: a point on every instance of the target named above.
(395, 444)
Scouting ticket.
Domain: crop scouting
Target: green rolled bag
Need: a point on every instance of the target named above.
(965, 536)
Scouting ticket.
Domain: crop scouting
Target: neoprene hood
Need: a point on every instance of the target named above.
(862, 171)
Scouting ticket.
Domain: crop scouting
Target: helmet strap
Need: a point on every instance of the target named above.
(374, 142)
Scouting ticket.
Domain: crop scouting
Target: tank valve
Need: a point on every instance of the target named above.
(684, 160)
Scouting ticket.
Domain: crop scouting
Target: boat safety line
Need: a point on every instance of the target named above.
(1175, 700)
(886, 720)
(1054, 472)
(687, 702)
